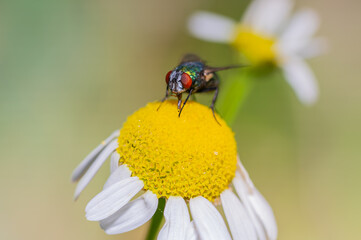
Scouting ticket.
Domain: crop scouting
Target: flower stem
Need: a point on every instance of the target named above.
(156, 220)
(234, 95)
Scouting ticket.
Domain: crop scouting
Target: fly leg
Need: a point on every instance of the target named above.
(212, 85)
(190, 92)
(179, 101)
(165, 97)
(213, 103)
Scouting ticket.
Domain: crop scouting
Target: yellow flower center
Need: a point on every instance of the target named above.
(258, 49)
(187, 156)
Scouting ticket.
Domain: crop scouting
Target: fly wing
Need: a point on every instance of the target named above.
(191, 58)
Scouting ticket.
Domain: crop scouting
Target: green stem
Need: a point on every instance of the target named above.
(156, 220)
(234, 95)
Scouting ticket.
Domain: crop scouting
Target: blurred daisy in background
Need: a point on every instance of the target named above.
(267, 34)
(189, 161)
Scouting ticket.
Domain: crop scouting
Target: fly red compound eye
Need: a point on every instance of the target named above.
(186, 80)
(167, 77)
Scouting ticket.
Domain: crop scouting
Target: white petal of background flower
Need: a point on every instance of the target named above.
(317, 46)
(122, 172)
(298, 32)
(302, 80)
(176, 220)
(265, 213)
(208, 220)
(88, 160)
(266, 16)
(112, 198)
(192, 233)
(238, 219)
(212, 27)
(243, 192)
(95, 166)
(134, 214)
(114, 161)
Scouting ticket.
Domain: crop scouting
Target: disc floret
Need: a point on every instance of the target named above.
(185, 156)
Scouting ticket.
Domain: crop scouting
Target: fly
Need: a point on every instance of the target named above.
(191, 76)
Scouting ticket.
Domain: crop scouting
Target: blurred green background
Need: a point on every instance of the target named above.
(71, 72)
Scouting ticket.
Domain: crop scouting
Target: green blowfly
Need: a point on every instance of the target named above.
(192, 75)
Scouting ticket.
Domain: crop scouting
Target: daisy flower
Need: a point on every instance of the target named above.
(267, 35)
(189, 161)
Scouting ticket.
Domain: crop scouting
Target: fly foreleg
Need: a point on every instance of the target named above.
(190, 92)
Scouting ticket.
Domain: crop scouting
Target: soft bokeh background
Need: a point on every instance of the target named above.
(71, 71)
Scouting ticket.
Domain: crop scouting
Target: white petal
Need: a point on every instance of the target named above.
(176, 220)
(249, 191)
(245, 174)
(192, 233)
(238, 219)
(114, 161)
(302, 80)
(317, 46)
(211, 27)
(93, 169)
(266, 16)
(134, 214)
(88, 160)
(208, 220)
(112, 198)
(258, 209)
(122, 172)
(299, 32)
(243, 192)
(265, 213)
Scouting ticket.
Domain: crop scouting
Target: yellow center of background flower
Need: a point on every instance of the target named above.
(256, 48)
(187, 156)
